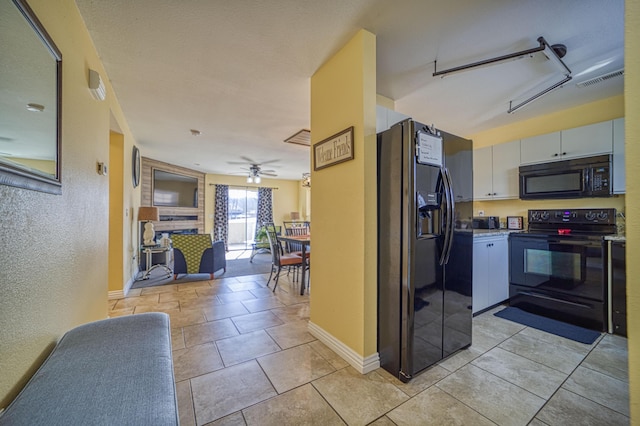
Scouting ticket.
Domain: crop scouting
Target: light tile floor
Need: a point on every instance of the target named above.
(243, 356)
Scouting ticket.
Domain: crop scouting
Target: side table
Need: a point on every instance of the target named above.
(150, 251)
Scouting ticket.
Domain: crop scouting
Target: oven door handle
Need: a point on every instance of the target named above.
(575, 243)
(541, 296)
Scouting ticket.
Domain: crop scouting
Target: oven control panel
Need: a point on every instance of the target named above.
(574, 216)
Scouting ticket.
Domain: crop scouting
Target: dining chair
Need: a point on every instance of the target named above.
(261, 242)
(279, 259)
(296, 228)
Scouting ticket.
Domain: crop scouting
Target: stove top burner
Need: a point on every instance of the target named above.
(573, 221)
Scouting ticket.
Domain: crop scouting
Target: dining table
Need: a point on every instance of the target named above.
(304, 241)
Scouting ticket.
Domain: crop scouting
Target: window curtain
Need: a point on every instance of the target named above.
(221, 214)
(265, 207)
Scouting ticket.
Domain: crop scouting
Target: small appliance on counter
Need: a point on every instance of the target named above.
(486, 222)
(514, 222)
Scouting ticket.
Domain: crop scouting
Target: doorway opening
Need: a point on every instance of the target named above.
(243, 207)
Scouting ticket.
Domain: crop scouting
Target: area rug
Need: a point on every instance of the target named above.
(235, 268)
(559, 328)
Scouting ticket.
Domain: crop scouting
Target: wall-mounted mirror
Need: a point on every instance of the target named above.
(30, 101)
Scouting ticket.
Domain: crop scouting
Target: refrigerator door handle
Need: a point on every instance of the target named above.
(447, 222)
(451, 210)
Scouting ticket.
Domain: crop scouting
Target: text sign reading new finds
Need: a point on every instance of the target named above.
(334, 150)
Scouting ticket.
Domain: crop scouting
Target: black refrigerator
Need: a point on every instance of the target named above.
(425, 244)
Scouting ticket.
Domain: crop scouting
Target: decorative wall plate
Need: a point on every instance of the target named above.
(135, 166)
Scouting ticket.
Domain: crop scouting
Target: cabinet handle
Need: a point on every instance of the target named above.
(495, 193)
(556, 154)
(489, 194)
(564, 153)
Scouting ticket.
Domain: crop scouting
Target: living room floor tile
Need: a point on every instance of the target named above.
(568, 408)
(530, 375)
(257, 321)
(236, 296)
(294, 367)
(600, 388)
(556, 356)
(301, 406)
(185, 403)
(225, 310)
(184, 318)
(291, 334)
(262, 304)
(209, 332)
(223, 392)
(491, 396)
(195, 361)
(610, 357)
(359, 398)
(436, 407)
(295, 312)
(255, 344)
(244, 285)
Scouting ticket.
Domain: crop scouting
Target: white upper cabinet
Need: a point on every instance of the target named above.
(619, 181)
(483, 173)
(506, 161)
(540, 149)
(594, 139)
(495, 171)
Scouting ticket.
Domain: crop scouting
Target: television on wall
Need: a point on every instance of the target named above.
(174, 190)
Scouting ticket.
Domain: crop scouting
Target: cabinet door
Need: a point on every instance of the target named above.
(480, 275)
(482, 174)
(588, 140)
(498, 287)
(619, 181)
(540, 149)
(506, 160)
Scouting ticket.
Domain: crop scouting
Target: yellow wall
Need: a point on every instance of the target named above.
(116, 222)
(343, 277)
(285, 199)
(594, 112)
(54, 247)
(632, 160)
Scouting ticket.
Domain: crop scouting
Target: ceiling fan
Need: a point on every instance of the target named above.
(255, 171)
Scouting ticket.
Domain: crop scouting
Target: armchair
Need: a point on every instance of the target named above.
(196, 254)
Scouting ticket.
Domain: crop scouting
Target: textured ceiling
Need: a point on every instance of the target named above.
(239, 71)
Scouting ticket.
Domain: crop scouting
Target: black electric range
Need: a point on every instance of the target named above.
(558, 266)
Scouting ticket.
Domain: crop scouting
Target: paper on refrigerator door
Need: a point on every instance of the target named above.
(429, 149)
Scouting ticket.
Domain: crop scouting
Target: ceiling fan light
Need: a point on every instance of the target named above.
(257, 179)
(249, 179)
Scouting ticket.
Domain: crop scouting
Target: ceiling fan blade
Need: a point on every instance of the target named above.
(267, 171)
(249, 160)
(268, 174)
(268, 162)
(237, 162)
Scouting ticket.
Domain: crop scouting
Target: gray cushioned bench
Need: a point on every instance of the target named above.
(117, 371)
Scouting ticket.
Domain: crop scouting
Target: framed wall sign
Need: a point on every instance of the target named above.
(333, 150)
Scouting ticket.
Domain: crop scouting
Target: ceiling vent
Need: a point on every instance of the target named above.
(601, 78)
(303, 137)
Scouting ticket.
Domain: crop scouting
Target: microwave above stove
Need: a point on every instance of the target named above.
(577, 178)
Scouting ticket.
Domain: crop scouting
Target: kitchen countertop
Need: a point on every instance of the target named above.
(479, 233)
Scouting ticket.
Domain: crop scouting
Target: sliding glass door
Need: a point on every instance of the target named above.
(243, 204)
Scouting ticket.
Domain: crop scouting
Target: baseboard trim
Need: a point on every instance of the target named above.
(120, 294)
(362, 364)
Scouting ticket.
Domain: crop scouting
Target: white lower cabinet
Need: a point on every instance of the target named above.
(490, 271)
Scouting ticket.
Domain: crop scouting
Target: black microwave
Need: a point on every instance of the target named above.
(577, 178)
